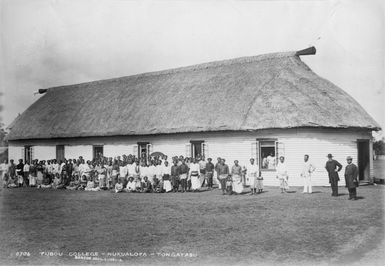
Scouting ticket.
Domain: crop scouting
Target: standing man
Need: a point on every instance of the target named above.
(307, 169)
(202, 171)
(216, 171)
(223, 173)
(183, 171)
(209, 173)
(282, 175)
(19, 172)
(4, 174)
(333, 167)
(351, 174)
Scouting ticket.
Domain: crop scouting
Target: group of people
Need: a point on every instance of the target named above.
(131, 174)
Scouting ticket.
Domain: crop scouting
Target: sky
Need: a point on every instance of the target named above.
(52, 43)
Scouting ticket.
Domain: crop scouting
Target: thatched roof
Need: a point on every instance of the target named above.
(249, 93)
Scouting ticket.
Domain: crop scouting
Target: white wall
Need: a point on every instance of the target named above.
(74, 151)
(15, 152)
(231, 146)
(44, 152)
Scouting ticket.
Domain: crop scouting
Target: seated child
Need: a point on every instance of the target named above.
(57, 182)
(131, 185)
(74, 183)
(229, 185)
(83, 182)
(46, 182)
(11, 182)
(138, 183)
(146, 185)
(91, 185)
(119, 186)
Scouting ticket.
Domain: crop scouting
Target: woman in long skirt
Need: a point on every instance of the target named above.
(194, 176)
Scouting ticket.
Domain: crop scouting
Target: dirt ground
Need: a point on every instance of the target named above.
(207, 227)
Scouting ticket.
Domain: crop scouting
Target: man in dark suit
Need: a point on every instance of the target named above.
(333, 167)
(351, 174)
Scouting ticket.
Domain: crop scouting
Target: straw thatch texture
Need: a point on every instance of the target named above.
(250, 93)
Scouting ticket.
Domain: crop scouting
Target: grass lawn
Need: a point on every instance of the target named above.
(270, 228)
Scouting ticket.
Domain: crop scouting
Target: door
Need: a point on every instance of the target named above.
(363, 159)
(60, 153)
(97, 151)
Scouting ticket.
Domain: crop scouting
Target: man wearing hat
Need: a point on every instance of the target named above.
(351, 174)
(333, 167)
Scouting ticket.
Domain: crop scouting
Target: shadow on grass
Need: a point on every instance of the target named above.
(291, 191)
(360, 198)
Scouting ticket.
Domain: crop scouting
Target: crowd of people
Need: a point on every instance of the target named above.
(156, 174)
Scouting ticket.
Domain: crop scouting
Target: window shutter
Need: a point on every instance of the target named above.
(135, 151)
(32, 154)
(255, 151)
(149, 150)
(279, 149)
(205, 150)
(188, 149)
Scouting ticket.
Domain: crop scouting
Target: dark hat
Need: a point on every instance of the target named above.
(330, 155)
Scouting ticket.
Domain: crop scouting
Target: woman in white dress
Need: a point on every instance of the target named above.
(166, 175)
(194, 175)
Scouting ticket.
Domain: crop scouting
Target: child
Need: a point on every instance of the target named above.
(119, 186)
(138, 183)
(46, 182)
(131, 186)
(229, 185)
(74, 183)
(57, 182)
(259, 185)
(146, 185)
(91, 185)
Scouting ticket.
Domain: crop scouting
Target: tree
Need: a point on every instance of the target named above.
(379, 147)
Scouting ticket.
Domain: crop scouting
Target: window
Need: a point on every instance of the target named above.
(267, 153)
(144, 150)
(97, 151)
(27, 154)
(196, 148)
(60, 153)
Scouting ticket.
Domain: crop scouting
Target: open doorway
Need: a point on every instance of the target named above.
(363, 159)
(97, 152)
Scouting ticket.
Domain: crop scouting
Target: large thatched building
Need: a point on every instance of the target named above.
(270, 104)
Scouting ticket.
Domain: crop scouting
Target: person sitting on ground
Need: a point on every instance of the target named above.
(57, 182)
(131, 186)
(146, 185)
(91, 185)
(138, 183)
(119, 186)
(46, 182)
(74, 183)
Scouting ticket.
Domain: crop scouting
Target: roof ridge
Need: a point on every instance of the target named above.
(212, 64)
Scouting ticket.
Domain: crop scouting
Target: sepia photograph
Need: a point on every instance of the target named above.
(181, 132)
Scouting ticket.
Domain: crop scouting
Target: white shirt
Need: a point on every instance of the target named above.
(131, 169)
(307, 169)
(270, 162)
(131, 185)
(123, 171)
(281, 170)
(194, 167)
(55, 168)
(26, 168)
(252, 168)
